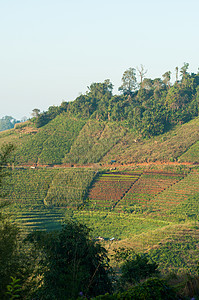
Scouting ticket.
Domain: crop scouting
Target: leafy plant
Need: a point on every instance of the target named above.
(14, 288)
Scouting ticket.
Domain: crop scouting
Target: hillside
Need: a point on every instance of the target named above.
(126, 165)
(152, 208)
(148, 122)
(79, 141)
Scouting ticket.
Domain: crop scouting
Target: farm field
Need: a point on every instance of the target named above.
(109, 188)
(179, 142)
(150, 209)
(149, 185)
(67, 139)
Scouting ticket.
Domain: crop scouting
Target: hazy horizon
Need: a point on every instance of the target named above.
(52, 50)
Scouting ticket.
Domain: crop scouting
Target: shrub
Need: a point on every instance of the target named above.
(151, 289)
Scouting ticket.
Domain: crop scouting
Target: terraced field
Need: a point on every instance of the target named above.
(150, 184)
(110, 188)
(153, 210)
(37, 195)
(39, 218)
(167, 203)
(69, 188)
(130, 192)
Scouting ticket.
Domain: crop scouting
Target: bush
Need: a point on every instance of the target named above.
(151, 289)
(134, 270)
(71, 263)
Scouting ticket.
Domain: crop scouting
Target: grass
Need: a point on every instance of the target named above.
(167, 147)
(69, 187)
(94, 141)
(70, 140)
(191, 155)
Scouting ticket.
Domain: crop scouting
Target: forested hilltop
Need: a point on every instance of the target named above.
(149, 107)
(153, 120)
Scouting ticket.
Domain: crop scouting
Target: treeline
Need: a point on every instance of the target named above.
(150, 108)
(9, 122)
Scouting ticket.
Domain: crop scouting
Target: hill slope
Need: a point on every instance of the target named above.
(71, 140)
(152, 209)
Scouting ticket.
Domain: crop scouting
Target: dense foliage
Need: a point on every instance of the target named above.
(71, 263)
(153, 288)
(7, 122)
(150, 108)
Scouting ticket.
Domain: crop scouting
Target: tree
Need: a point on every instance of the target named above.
(176, 69)
(9, 259)
(183, 70)
(184, 73)
(141, 72)
(138, 268)
(129, 81)
(7, 122)
(72, 263)
(35, 112)
(147, 84)
(8, 231)
(166, 78)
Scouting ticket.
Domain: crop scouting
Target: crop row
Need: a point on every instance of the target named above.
(109, 188)
(51, 143)
(28, 186)
(94, 141)
(69, 187)
(165, 203)
(144, 190)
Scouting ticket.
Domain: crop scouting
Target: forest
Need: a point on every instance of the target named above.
(150, 107)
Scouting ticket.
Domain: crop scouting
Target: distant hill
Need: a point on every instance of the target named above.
(7, 122)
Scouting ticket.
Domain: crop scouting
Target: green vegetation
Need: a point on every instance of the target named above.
(85, 159)
(191, 155)
(153, 288)
(150, 109)
(71, 262)
(141, 206)
(7, 122)
(69, 188)
(94, 141)
(153, 121)
(50, 144)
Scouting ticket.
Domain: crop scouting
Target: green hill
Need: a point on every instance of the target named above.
(126, 165)
(156, 121)
(71, 140)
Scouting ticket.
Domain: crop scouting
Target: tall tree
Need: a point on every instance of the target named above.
(184, 73)
(166, 78)
(176, 69)
(184, 69)
(142, 72)
(72, 263)
(35, 112)
(129, 81)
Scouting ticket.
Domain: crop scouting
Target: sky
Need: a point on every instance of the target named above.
(52, 50)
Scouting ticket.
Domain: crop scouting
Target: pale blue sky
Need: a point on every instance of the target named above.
(51, 51)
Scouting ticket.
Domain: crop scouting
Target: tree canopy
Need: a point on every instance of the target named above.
(150, 108)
